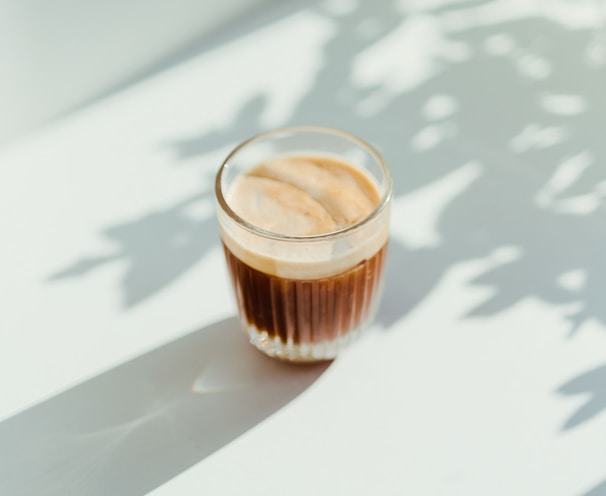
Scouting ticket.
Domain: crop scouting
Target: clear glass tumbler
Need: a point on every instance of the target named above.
(303, 298)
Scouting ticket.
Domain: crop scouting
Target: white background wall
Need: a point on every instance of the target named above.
(57, 55)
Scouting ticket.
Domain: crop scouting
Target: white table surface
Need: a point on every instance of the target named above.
(122, 368)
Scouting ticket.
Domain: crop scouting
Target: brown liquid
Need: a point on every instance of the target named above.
(307, 311)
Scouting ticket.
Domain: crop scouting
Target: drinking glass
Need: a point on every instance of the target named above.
(304, 298)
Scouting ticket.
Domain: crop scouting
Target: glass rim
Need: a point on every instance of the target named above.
(385, 197)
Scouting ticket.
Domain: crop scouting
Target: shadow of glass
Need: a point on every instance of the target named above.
(599, 490)
(138, 425)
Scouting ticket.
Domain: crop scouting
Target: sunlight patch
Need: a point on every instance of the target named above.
(579, 205)
(567, 174)
(431, 136)
(563, 104)
(534, 67)
(499, 44)
(420, 211)
(535, 136)
(573, 280)
(404, 59)
(505, 254)
(439, 107)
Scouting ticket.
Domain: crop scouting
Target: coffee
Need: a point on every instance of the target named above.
(301, 300)
(303, 195)
(306, 311)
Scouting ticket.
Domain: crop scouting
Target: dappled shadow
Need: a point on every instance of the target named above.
(161, 246)
(200, 144)
(514, 94)
(492, 122)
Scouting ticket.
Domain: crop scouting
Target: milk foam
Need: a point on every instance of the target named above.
(304, 196)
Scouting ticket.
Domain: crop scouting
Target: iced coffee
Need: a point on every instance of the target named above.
(304, 214)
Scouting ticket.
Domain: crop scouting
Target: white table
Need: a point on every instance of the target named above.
(122, 369)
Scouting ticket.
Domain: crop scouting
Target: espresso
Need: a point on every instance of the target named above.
(307, 311)
(301, 297)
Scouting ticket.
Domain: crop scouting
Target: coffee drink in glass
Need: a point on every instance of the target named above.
(304, 220)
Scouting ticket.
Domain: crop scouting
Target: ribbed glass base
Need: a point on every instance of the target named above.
(301, 352)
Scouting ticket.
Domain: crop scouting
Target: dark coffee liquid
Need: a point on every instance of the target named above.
(307, 311)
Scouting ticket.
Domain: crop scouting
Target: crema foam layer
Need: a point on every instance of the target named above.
(304, 196)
